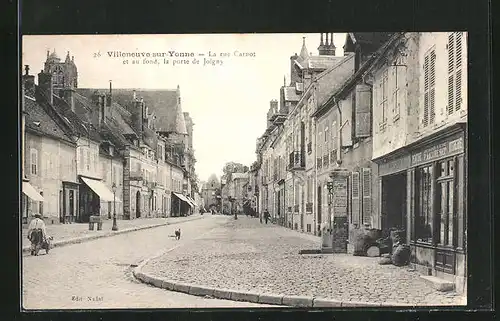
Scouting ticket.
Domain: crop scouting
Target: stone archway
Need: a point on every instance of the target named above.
(138, 204)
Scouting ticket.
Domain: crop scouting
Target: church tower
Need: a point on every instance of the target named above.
(64, 73)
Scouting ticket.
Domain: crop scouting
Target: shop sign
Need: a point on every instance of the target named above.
(394, 166)
(340, 196)
(438, 151)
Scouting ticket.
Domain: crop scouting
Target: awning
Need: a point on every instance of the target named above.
(31, 192)
(183, 198)
(100, 189)
(191, 200)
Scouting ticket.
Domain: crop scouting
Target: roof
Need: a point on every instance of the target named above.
(163, 102)
(330, 80)
(320, 62)
(370, 39)
(38, 120)
(239, 176)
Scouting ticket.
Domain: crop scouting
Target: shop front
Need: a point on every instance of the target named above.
(91, 193)
(423, 191)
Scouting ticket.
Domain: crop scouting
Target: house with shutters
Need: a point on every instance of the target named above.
(419, 146)
(48, 165)
(288, 162)
(344, 143)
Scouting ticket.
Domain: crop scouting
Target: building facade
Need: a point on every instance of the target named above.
(420, 149)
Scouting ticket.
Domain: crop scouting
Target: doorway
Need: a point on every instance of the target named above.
(319, 210)
(393, 202)
(138, 204)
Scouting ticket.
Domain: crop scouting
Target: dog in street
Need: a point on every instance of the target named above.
(178, 234)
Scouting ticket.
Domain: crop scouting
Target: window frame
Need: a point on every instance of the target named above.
(34, 161)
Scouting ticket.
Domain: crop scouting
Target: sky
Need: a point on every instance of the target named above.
(228, 101)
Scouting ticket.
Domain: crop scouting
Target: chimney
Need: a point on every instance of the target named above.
(109, 100)
(274, 106)
(138, 115)
(45, 84)
(28, 80)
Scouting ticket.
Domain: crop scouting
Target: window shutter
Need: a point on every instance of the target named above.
(458, 67)
(363, 110)
(392, 86)
(425, 119)
(432, 84)
(355, 198)
(367, 195)
(401, 95)
(451, 69)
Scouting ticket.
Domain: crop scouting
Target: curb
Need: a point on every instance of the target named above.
(26, 249)
(253, 297)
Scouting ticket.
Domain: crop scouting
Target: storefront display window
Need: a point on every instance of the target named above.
(445, 206)
(424, 220)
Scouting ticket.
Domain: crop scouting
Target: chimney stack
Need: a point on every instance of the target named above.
(274, 106)
(45, 84)
(28, 80)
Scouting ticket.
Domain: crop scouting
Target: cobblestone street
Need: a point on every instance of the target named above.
(97, 274)
(249, 256)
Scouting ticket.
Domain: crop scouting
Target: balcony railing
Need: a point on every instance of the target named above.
(297, 161)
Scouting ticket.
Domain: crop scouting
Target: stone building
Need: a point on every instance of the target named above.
(287, 147)
(419, 142)
(209, 192)
(49, 171)
(126, 153)
(344, 141)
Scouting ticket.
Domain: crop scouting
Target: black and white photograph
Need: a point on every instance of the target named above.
(244, 170)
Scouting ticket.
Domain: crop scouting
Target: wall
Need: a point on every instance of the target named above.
(112, 172)
(439, 41)
(56, 163)
(392, 134)
(88, 158)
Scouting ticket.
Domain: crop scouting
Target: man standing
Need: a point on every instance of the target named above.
(266, 215)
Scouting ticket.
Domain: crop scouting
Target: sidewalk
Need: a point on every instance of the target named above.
(79, 232)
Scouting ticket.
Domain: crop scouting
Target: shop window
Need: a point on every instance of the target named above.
(424, 221)
(445, 215)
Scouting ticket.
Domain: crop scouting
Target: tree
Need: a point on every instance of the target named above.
(232, 167)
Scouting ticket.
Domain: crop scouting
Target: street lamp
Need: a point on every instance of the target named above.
(115, 227)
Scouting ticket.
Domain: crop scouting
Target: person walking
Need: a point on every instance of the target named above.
(266, 215)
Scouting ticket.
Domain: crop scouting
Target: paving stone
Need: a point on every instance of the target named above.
(271, 299)
(201, 291)
(298, 301)
(245, 296)
(247, 256)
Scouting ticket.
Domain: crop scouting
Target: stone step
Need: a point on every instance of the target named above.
(439, 284)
